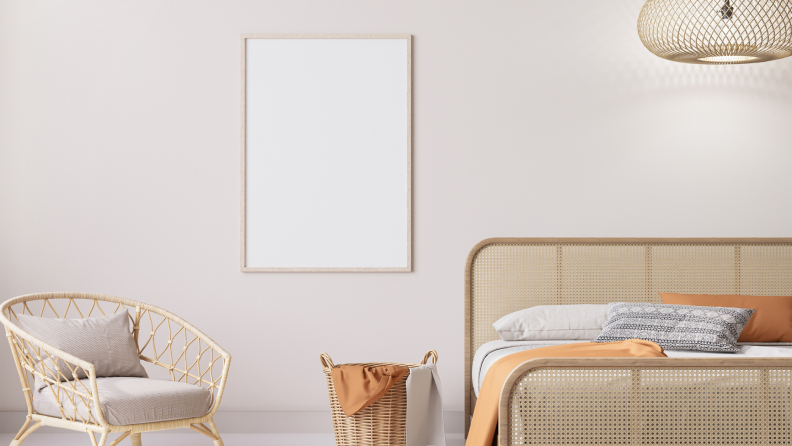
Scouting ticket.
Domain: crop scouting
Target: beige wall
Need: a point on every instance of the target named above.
(119, 165)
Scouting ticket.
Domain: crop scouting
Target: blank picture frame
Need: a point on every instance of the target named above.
(326, 153)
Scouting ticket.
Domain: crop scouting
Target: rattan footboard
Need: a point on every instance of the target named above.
(647, 401)
(503, 275)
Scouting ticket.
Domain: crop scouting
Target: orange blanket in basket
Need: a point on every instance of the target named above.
(485, 417)
(358, 387)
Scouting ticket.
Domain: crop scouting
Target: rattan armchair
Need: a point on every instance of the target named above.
(163, 339)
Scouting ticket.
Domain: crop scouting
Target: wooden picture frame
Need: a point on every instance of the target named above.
(342, 201)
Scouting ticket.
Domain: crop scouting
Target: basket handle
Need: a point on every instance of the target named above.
(432, 354)
(327, 363)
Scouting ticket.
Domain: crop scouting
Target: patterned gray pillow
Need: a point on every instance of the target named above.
(105, 341)
(676, 327)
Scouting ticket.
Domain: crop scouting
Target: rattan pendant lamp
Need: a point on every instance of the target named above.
(717, 32)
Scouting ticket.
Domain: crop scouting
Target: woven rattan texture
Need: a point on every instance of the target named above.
(717, 31)
(161, 341)
(651, 406)
(382, 423)
(506, 277)
(181, 353)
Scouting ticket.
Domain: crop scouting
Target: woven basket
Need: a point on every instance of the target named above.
(382, 423)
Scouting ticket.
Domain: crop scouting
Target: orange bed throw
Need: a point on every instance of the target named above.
(358, 387)
(485, 417)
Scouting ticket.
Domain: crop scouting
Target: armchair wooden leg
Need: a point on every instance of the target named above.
(103, 440)
(135, 438)
(24, 432)
(219, 441)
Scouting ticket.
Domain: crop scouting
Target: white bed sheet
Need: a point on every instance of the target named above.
(492, 351)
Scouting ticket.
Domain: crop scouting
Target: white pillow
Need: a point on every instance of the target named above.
(553, 322)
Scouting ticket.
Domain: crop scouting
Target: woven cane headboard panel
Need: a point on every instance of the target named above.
(508, 274)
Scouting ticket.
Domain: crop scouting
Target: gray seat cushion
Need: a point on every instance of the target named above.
(132, 401)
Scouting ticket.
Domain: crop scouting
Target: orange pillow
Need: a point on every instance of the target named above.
(772, 321)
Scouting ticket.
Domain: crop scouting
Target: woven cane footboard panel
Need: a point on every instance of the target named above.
(652, 406)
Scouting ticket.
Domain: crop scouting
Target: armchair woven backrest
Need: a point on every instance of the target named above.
(163, 339)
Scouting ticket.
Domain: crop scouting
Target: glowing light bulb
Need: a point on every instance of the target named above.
(726, 59)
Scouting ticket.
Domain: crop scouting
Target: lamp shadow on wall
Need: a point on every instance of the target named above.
(771, 79)
(632, 69)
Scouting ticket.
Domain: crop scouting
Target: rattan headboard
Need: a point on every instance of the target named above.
(503, 275)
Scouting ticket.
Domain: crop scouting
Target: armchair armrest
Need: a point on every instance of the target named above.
(204, 353)
(46, 363)
(226, 357)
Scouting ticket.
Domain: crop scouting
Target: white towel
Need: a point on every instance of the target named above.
(424, 407)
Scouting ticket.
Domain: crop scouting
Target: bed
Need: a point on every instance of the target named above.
(733, 399)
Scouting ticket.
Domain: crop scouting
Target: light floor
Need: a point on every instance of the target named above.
(195, 439)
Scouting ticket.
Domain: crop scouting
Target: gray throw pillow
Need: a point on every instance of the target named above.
(106, 342)
(676, 327)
